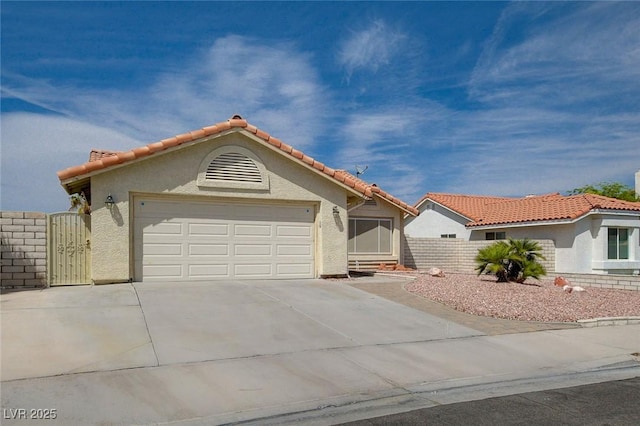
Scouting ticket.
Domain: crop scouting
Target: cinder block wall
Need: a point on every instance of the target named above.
(457, 255)
(620, 282)
(24, 249)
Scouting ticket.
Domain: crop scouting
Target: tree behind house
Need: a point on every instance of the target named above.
(611, 190)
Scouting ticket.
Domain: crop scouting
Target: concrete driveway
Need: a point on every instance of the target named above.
(68, 330)
(207, 353)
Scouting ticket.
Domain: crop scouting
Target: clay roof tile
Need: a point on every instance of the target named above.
(103, 159)
(485, 210)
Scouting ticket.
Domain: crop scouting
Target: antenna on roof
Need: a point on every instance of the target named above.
(360, 171)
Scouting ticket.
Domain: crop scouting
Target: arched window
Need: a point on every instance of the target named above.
(233, 167)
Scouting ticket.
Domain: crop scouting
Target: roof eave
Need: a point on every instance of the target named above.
(315, 166)
(451, 210)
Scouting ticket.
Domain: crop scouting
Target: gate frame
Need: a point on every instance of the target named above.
(80, 274)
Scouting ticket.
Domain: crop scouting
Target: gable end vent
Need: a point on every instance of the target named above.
(233, 167)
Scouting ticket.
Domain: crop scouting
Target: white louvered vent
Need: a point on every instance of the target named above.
(371, 202)
(233, 167)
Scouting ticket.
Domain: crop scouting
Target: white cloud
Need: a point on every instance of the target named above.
(557, 86)
(272, 86)
(35, 147)
(587, 54)
(370, 48)
(235, 75)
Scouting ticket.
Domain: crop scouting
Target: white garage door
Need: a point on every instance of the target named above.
(175, 241)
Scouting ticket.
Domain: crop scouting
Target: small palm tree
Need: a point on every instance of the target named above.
(494, 259)
(515, 260)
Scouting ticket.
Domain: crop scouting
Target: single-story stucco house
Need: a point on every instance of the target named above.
(592, 234)
(229, 201)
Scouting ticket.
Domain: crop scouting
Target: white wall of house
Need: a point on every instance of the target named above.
(573, 245)
(581, 246)
(600, 261)
(435, 220)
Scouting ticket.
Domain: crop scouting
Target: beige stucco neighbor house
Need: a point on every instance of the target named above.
(592, 234)
(229, 201)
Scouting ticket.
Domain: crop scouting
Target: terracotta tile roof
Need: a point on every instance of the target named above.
(98, 154)
(102, 159)
(486, 211)
(469, 206)
(374, 189)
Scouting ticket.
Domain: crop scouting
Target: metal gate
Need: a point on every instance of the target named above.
(69, 249)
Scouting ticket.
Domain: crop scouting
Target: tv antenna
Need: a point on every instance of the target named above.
(360, 171)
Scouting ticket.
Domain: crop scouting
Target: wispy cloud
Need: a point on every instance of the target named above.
(587, 54)
(273, 83)
(558, 89)
(36, 146)
(369, 49)
(274, 86)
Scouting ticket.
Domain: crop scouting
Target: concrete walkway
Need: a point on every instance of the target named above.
(273, 352)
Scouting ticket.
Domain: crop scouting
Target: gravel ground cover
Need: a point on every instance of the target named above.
(532, 301)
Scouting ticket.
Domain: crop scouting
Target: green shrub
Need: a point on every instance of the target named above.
(512, 260)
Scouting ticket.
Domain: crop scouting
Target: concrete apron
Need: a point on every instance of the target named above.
(228, 352)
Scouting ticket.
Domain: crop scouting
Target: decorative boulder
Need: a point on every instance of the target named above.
(561, 282)
(435, 272)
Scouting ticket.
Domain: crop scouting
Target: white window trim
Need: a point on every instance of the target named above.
(378, 219)
(629, 249)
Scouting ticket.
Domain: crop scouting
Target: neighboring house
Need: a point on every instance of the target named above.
(592, 233)
(229, 201)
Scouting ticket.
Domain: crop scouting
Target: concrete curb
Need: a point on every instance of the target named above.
(605, 322)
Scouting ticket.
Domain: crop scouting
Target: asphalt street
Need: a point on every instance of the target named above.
(614, 403)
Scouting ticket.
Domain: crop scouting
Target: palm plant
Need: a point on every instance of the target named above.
(512, 260)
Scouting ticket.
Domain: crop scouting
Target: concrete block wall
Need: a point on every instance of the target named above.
(23, 260)
(457, 255)
(620, 282)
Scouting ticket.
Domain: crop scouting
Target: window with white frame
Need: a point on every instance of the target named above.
(618, 243)
(370, 235)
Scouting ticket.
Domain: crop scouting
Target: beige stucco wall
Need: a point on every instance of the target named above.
(175, 173)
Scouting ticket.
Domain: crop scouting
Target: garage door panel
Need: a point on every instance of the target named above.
(253, 270)
(293, 269)
(163, 249)
(209, 229)
(296, 231)
(209, 271)
(251, 250)
(303, 250)
(164, 228)
(252, 230)
(208, 250)
(189, 240)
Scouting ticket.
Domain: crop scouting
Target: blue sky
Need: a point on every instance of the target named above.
(490, 98)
